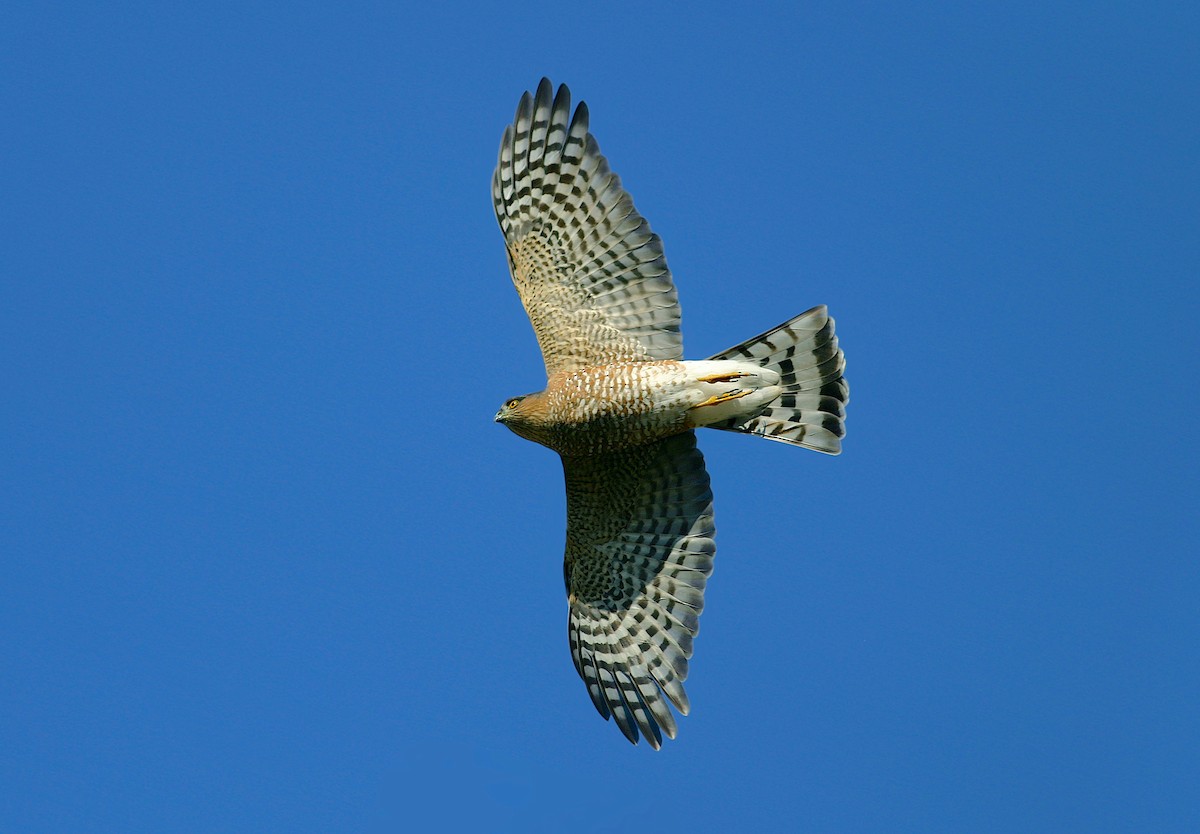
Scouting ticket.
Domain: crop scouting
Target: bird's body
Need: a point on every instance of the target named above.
(603, 408)
(621, 407)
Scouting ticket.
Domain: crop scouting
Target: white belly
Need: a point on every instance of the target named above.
(720, 389)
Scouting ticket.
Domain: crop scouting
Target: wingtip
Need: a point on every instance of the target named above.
(561, 97)
(524, 107)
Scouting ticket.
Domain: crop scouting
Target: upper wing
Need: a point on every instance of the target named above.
(639, 552)
(589, 271)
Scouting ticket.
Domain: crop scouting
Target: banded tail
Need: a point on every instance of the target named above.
(811, 411)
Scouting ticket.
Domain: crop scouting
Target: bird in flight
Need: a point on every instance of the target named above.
(621, 407)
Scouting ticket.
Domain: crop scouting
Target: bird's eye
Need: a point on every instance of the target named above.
(512, 403)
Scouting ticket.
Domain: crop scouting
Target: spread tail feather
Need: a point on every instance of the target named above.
(811, 411)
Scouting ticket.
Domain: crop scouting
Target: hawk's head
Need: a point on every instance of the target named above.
(510, 410)
(526, 416)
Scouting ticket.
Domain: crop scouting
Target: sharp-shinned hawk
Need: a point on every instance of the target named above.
(620, 407)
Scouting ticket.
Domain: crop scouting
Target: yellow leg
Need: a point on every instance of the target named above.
(722, 377)
(723, 398)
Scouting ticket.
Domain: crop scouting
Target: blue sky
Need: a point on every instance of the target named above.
(269, 565)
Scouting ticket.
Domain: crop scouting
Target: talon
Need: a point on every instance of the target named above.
(722, 377)
(717, 399)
